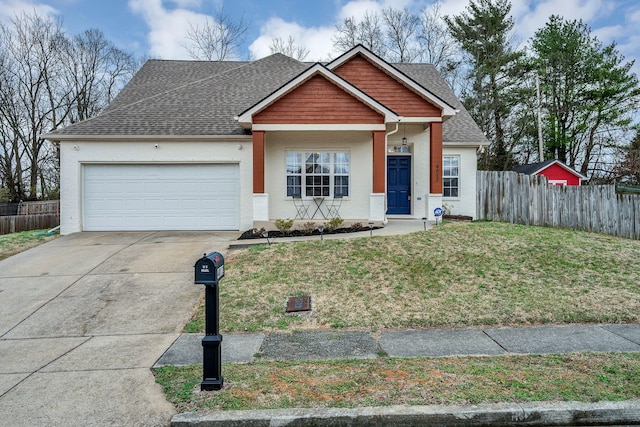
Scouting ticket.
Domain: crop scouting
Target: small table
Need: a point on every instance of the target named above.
(318, 201)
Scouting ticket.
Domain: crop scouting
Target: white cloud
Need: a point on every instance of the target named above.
(12, 8)
(359, 8)
(187, 3)
(530, 16)
(610, 33)
(453, 7)
(316, 39)
(167, 28)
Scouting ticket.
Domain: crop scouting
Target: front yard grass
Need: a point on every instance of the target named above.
(455, 275)
(14, 243)
(421, 381)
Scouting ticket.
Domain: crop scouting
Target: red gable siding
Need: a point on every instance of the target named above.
(557, 172)
(318, 101)
(379, 85)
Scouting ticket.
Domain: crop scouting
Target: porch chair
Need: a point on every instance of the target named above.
(333, 210)
(302, 209)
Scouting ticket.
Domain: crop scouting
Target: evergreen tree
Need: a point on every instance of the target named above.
(589, 93)
(483, 32)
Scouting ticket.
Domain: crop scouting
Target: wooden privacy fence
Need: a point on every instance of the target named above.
(30, 208)
(31, 216)
(530, 200)
(17, 223)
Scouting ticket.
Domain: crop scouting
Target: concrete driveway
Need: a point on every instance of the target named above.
(84, 317)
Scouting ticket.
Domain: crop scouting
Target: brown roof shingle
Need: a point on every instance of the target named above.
(202, 98)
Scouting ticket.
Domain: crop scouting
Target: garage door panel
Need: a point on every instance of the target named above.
(161, 197)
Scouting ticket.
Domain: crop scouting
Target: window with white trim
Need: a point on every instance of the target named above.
(450, 176)
(318, 174)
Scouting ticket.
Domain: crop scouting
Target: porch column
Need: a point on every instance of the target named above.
(379, 163)
(435, 170)
(258, 161)
(377, 204)
(260, 198)
(435, 153)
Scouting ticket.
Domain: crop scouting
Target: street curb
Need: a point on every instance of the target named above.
(502, 414)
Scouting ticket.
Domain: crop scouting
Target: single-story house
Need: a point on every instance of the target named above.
(199, 145)
(556, 172)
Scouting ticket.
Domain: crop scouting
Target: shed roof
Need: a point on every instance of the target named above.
(535, 168)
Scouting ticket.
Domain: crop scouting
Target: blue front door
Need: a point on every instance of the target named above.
(398, 185)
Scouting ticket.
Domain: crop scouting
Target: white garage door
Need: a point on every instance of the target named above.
(161, 197)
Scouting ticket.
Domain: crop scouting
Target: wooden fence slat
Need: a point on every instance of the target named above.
(530, 200)
(17, 223)
(39, 208)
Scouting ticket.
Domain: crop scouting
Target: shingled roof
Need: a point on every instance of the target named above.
(534, 168)
(202, 98)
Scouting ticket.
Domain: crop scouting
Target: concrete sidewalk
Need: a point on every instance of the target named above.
(242, 348)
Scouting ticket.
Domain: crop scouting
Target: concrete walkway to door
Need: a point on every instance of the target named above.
(84, 317)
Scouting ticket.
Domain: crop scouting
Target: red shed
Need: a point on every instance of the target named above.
(556, 172)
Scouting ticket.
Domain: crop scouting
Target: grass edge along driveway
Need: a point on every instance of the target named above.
(14, 243)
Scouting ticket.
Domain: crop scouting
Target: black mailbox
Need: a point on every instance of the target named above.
(209, 269)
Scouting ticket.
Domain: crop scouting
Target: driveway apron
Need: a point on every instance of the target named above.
(84, 318)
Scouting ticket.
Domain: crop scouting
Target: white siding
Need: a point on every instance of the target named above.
(358, 144)
(465, 204)
(74, 155)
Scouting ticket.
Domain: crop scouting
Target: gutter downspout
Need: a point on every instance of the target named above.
(386, 143)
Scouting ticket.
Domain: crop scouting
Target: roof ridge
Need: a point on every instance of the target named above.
(157, 95)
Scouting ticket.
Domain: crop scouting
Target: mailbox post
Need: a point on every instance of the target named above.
(208, 271)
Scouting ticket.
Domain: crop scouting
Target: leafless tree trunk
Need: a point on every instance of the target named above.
(94, 71)
(437, 46)
(289, 48)
(401, 34)
(217, 39)
(31, 44)
(368, 32)
(49, 80)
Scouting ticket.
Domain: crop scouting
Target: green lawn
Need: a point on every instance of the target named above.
(14, 243)
(455, 275)
(419, 381)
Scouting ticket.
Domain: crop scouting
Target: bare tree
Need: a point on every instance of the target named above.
(49, 80)
(437, 46)
(218, 39)
(31, 44)
(368, 32)
(627, 169)
(401, 26)
(289, 48)
(95, 71)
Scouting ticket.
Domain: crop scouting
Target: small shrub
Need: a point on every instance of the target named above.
(334, 223)
(309, 227)
(284, 225)
(357, 226)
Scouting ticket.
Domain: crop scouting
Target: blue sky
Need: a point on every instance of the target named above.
(156, 28)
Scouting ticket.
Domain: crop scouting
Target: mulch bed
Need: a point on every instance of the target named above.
(257, 233)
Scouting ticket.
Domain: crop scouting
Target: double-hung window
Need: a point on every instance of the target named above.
(318, 174)
(450, 176)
